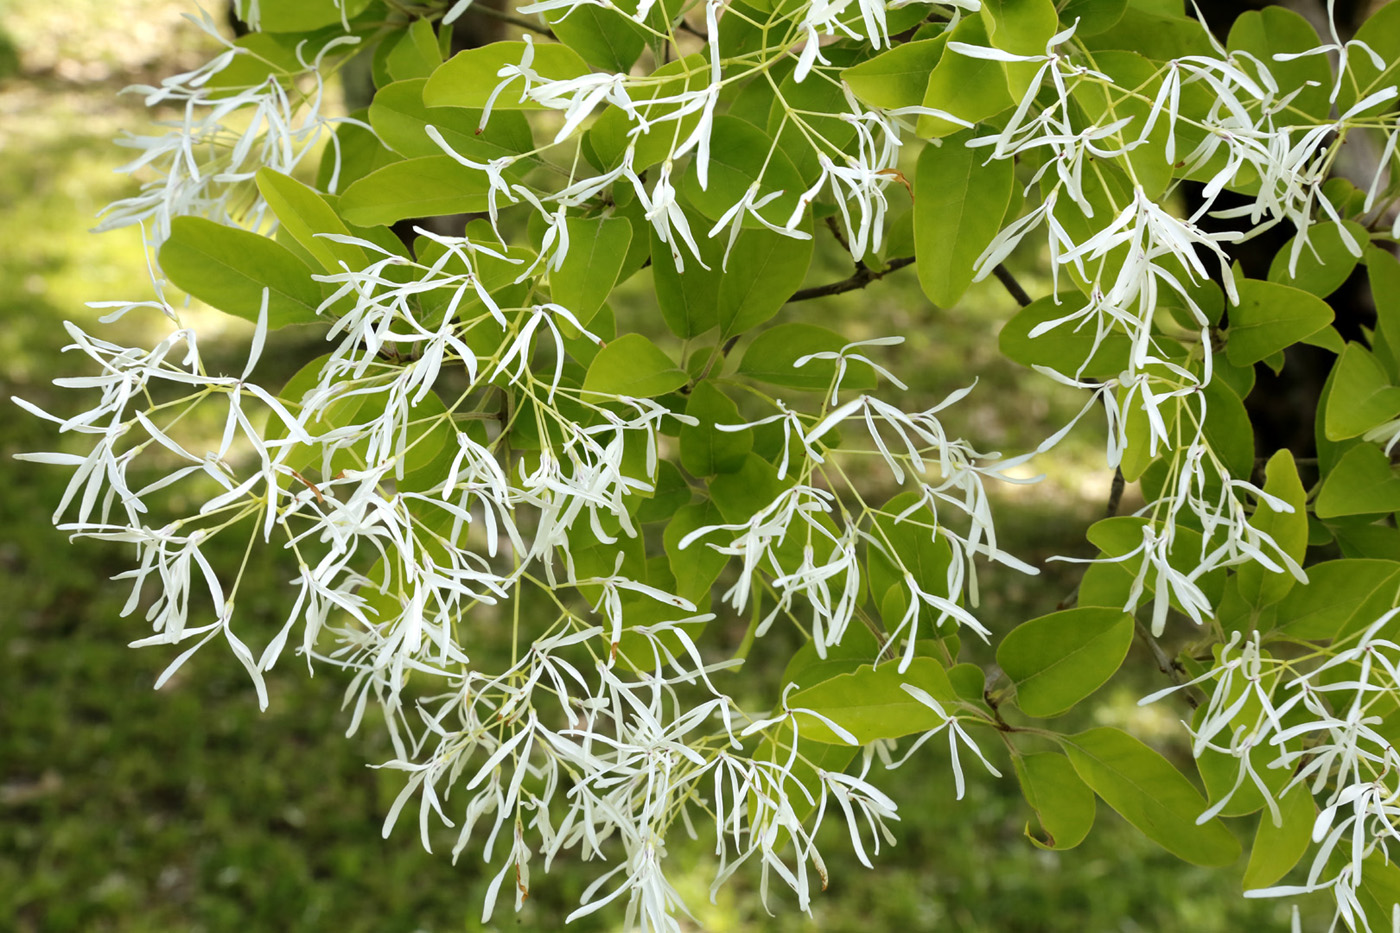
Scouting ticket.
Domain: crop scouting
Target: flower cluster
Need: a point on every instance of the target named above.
(1318, 727)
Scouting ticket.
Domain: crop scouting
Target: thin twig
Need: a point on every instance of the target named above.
(683, 26)
(862, 277)
(1115, 493)
(511, 18)
(836, 232)
(1005, 277)
(1164, 663)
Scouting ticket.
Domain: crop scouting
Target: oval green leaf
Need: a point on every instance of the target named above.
(958, 207)
(1062, 802)
(870, 703)
(1150, 794)
(633, 366)
(432, 186)
(1059, 659)
(228, 269)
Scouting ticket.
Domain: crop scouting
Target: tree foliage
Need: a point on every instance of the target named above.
(493, 444)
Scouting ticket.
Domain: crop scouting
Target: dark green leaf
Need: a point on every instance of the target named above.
(1326, 260)
(597, 249)
(896, 77)
(1278, 848)
(1260, 587)
(1362, 396)
(706, 450)
(1065, 348)
(602, 36)
(1340, 596)
(400, 117)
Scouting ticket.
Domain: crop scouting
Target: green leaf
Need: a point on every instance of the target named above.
(669, 494)
(741, 155)
(698, 566)
(1150, 794)
(1094, 16)
(771, 356)
(400, 118)
(1278, 848)
(687, 293)
(303, 213)
(821, 130)
(958, 207)
(304, 15)
(763, 272)
(741, 493)
(1381, 33)
(468, 79)
(1228, 429)
(1340, 596)
(911, 545)
(264, 55)
(417, 53)
(658, 102)
(1159, 35)
(634, 366)
(1022, 27)
(1362, 396)
(871, 704)
(1106, 103)
(1067, 347)
(706, 450)
(1362, 483)
(1325, 261)
(808, 667)
(1271, 317)
(431, 186)
(1379, 890)
(602, 36)
(1059, 659)
(1277, 30)
(1383, 273)
(971, 89)
(1258, 586)
(1062, 802)
(355, 153)
(896, 77)
(597, 248)
(228, 269)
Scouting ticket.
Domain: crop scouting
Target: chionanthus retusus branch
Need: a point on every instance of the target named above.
(514, 501)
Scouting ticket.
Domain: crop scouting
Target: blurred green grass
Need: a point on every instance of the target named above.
(126, 810)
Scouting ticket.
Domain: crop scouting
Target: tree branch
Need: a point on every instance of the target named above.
(1115, 492)
(510, 18)
(862, 277)
(1164, 663)
(1008, 280)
